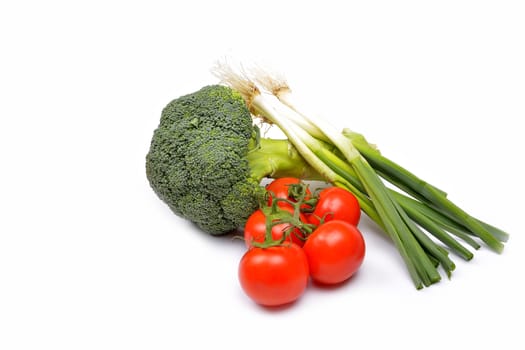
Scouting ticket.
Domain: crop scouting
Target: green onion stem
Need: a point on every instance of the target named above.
(439, 219)
(421, 189)
(431, 226)
(381, 163)
(396, 223)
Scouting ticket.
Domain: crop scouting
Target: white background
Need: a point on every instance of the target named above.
(90, 258)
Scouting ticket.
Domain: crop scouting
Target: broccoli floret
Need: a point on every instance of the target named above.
(206, 162)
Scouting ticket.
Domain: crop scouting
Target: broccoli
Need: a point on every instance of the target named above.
(206, 159)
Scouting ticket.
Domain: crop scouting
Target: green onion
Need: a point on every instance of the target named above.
(415, 214)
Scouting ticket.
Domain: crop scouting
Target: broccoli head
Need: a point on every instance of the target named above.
(206, 162)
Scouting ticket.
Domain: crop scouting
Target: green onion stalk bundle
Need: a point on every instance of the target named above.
(409, 211)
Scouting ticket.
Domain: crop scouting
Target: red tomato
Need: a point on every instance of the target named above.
(336, 204)
(335, 250)
(279, 189)
(255, 229)
(274, 276)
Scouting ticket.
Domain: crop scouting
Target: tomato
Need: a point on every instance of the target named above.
(335, 251)
(274, 276)
(255, 229)
(336, 204)
(279, 189)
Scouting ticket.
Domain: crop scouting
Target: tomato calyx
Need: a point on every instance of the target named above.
(299, 192)
(289, 214)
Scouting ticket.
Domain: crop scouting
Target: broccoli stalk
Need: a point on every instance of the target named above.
(278, 158)
(206, 159)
